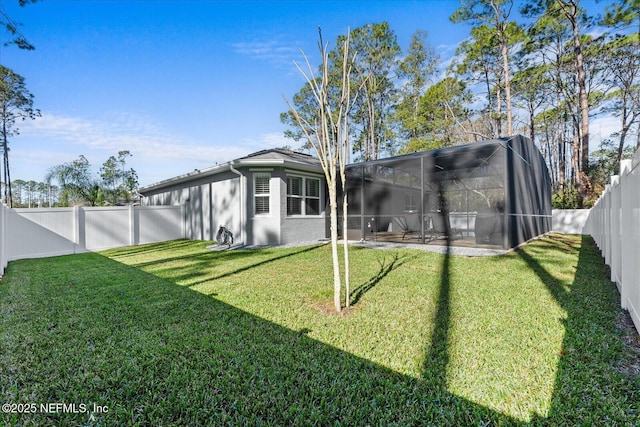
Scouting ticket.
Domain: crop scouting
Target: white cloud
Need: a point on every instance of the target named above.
(275, 51)
(157, 153)
(115, 132)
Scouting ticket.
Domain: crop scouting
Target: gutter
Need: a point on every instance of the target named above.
(240, 199)
(214, 170)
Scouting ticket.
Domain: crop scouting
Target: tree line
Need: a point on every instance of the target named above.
(544, 69)
(75, 183)
(67, 184)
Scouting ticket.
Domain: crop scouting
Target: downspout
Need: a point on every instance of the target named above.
(241, 199)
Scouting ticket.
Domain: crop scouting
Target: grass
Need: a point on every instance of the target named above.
(174, 334)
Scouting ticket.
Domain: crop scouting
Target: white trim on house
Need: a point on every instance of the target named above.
(306, 174)
(304, 196)
(259, 193)
(287, 164)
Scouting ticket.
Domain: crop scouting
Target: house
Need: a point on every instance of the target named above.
(494, 193)
(271, 197)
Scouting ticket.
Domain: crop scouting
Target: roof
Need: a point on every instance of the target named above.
(266, 158)
(282, 154)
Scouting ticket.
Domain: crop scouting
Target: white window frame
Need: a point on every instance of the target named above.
(304, 196)
(411, 202)
(257, 195)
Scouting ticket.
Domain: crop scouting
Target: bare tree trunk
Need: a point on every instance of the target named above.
(489, 102)
(571, 11)
(498, 110)
(562, 158)
(345, 240)
(575, 155)
(371, 149)
(507, 86)
(5, 162)
(532, 119)
(329, 136)
(626, 125)
(7, 178)
(584, 105)
(333, 206)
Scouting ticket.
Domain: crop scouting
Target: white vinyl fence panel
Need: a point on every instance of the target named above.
(106, 228)
(159, 224)
(570, 221)
(44, 232)
(614, 223)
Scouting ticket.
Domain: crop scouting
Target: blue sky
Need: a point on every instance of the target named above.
(180, 84)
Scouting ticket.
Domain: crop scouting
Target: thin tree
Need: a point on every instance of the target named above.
(625, 67)
(495, 15)
(418, 68)
(328, 134)
(478, 61)
(373, 91)
(16, 103)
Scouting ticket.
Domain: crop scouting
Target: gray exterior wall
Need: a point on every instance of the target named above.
(277, 227)
(209, 202)
(264, 229)
(226, 198)
(302, 228)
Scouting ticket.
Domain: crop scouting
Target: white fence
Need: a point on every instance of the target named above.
(614, 223)
(36, 233)
(570, 221)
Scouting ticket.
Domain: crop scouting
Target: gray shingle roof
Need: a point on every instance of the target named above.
(282, 154)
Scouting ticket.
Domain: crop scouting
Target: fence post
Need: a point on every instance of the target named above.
(627, 254)
(3, 238)
(79, 229)
(132, 226)
(616, 240)
(606, 229)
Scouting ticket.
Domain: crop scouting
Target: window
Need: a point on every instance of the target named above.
(261, 193)
(410, 203)
(303, 196)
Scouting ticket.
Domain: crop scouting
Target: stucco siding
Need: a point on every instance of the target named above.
(303, 229)
(225, 194)
(225, 207)
(209, 202)
(264, 229)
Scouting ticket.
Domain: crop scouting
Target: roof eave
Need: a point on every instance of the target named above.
(244, 163)
(212, 170)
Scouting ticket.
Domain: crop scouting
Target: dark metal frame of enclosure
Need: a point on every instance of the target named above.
(491, 193)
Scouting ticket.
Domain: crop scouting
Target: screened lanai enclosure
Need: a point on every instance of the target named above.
(494, 194)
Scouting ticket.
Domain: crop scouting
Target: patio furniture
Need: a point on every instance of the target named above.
(401, 222)
(489, 227)
(441, 226)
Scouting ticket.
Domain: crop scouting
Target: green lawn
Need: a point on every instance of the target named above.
(174, 334)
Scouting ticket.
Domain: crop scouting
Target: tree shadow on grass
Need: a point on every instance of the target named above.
(384, 269)
(159, 354)
(588, 387)
(192, 265)
(156, 353)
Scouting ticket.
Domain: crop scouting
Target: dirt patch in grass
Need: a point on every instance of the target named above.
(327, 308)
(630, 366)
